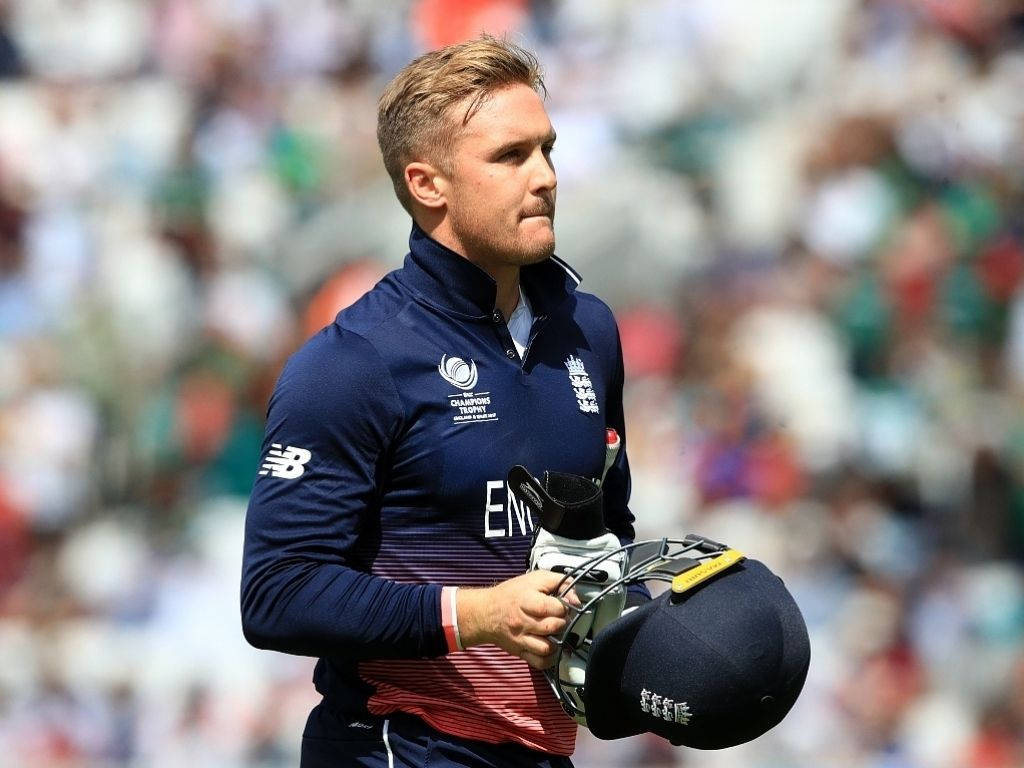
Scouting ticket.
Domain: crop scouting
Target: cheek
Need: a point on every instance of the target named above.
(489, 199)
(496, 195)
(484, 190)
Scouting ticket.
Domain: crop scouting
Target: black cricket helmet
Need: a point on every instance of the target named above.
(716, 660)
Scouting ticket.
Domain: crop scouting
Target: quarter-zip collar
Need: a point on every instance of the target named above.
(454, 284)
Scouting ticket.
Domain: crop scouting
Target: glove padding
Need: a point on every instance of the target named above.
(600, 564)
(572, 556)
(572, 540)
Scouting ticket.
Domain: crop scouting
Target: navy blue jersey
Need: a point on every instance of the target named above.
(388, 440)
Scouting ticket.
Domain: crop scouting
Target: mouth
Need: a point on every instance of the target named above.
(545, 214)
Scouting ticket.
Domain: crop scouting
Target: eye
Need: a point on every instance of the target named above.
(511, 156)
(548, 148)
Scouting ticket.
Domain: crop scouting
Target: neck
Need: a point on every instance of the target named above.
(506, 276)
(508, 292)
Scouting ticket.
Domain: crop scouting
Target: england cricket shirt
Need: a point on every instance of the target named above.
(388, 440)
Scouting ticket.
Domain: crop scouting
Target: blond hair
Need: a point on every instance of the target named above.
(414, 114)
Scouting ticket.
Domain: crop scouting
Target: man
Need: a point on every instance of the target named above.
(381, 536)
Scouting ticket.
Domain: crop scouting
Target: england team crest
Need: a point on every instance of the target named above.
(581, 384)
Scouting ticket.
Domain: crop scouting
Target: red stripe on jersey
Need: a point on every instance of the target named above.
(481, 693)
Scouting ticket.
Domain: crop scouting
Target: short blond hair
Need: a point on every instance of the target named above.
(414, 117)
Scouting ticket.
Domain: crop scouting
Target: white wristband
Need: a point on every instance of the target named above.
(455, 619)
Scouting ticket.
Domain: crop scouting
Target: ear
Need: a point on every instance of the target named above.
(426, 184)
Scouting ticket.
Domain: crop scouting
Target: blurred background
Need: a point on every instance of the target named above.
(807, 215)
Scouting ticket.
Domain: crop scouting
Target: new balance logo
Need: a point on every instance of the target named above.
(287, 463)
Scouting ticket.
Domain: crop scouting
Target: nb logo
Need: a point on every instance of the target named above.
(287, 463)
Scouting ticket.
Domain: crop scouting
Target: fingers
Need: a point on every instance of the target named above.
(549, 626)
(541, 606)
(556, 585)
(549, 581)
(539, 662)
(537, 645)
(543, 616)
(539, 653)
(527, 623)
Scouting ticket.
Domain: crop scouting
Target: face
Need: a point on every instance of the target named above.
(501, 192)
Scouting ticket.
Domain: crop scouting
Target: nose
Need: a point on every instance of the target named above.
(542, 176)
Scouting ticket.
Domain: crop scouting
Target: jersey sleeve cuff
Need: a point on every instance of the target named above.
(450, 619)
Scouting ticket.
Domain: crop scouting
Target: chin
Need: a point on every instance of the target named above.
(538, 247)
(535, 250)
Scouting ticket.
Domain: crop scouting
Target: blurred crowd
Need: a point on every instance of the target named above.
(807, 214)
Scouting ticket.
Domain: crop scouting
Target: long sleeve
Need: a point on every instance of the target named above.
(330, 425)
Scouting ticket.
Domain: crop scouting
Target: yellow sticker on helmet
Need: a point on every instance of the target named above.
(689, 579)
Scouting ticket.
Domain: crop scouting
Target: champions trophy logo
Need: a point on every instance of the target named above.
(458, 372)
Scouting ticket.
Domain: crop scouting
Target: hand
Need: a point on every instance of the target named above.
(597, 562)
(517, 615)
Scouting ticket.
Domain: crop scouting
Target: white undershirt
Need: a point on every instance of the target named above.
(520, 323)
